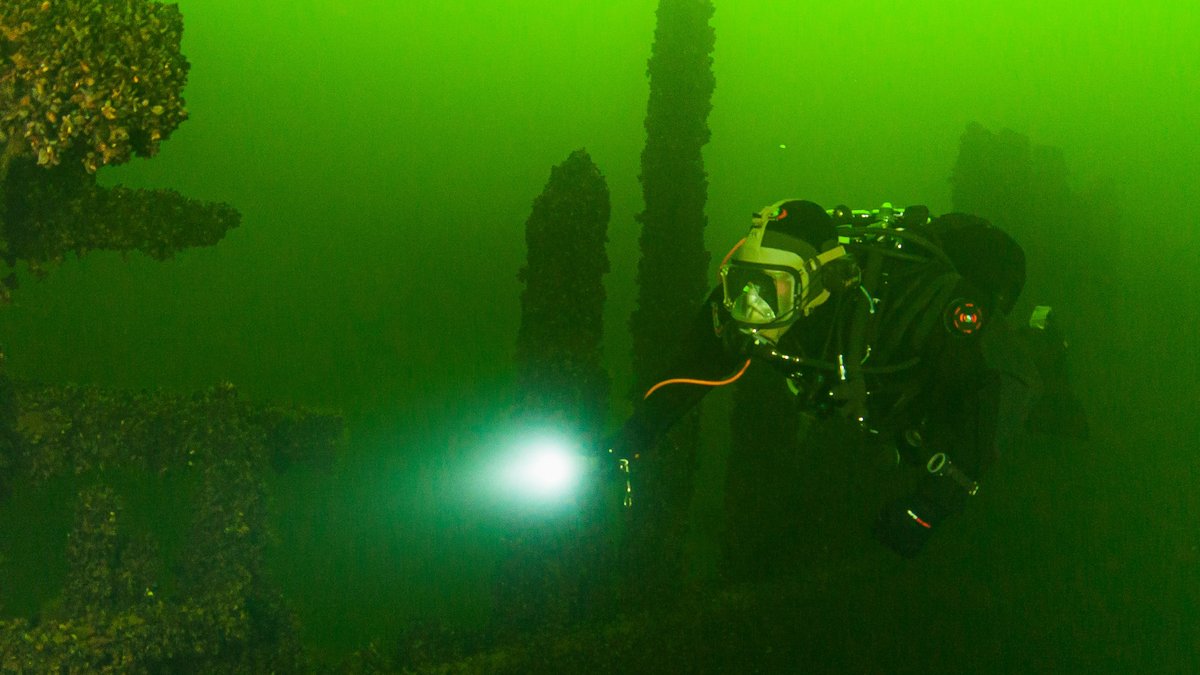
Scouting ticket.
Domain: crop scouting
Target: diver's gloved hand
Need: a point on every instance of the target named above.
(617, 456)
(904, 525)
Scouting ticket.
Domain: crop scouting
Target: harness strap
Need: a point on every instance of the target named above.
(853, 387)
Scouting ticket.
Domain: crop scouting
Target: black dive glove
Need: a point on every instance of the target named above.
(904, 525)
(617, 457)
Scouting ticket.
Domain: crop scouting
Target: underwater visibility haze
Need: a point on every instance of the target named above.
(385, 158)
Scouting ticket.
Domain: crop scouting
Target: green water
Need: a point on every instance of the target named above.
(385, 156)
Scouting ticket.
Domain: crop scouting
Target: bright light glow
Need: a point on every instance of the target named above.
(545, 472)
(540, 470)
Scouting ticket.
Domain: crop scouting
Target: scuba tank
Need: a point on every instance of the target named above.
(877, 240)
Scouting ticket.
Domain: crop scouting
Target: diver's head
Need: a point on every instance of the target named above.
(773, 278)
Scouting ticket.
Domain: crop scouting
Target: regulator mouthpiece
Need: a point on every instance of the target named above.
(751, 308)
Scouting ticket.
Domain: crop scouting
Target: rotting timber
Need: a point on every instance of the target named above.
(559, 359)
(672, 275)
(222, 611)
(86, 84)
(560, 575)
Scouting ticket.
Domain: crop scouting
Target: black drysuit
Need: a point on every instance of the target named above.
(962, 388)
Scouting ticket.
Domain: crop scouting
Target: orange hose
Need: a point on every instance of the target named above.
(706, 383)
(729, 255)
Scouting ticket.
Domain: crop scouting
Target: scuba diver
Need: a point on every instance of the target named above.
(893, 320)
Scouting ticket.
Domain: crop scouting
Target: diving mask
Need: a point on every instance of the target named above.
(771, 278)
(760, 295)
